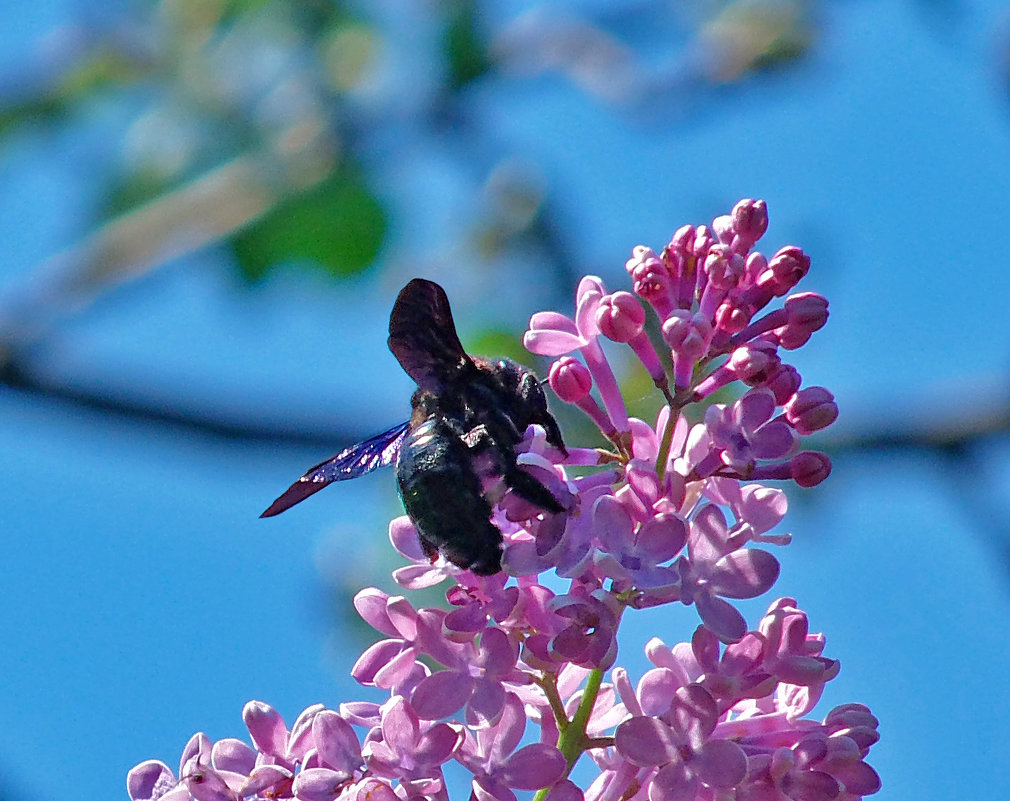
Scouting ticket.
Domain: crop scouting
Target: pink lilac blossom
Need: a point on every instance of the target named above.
(525, 678)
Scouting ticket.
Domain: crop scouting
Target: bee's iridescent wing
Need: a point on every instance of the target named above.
(379, 451)
(422, 335)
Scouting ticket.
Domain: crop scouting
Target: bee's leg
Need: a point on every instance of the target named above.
(529, 488)
(481, 442)
(531, 392)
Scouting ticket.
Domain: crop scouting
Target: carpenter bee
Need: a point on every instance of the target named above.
(456, 455)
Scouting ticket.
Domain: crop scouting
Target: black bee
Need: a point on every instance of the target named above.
(469, 413)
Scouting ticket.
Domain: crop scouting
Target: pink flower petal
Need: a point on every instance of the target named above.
(400, 725)
(754, 409)
(859, 778)
(646, 741)
(403, 616)
(552, 321)
(206, 784)
(522, 559)
(419, 577)
(693, 713)
(465, 622)
(318, 784)
(485, 705)
(336, 742)
(370, 603)
(266, 727)
(551, 343)
(673, 783)
(198, 748)
(234, 755)
(436, 745)
(510, 727)
(441, 694)
(535, 766)
(810, 785)
(403, 537)
(149, 780)
(374, 790)
(656, 690)
(300, 739)
(773, 441)
(498, 652)
(720, 617)
(745, 573)
(762, 507)
(263, 777)
(488, 788)
(375, 658)
(612, 524)
(721, 764)
(565, 790)
(707, 536)
(662, 537)
(396, 671)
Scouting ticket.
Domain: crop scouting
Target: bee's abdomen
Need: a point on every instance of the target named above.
(442, 495)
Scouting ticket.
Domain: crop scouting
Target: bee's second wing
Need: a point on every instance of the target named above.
(379, 451)
(422, 335)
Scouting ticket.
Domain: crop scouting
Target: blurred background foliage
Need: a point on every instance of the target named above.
(209, 206)
(265, 131)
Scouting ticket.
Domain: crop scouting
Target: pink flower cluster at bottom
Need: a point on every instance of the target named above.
(707, 721)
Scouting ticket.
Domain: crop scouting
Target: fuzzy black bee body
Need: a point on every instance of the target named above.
(468, 415)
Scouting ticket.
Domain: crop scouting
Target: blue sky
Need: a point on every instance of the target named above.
(143, 600)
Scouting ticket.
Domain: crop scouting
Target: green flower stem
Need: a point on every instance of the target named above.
(573, 741)
(548, 683)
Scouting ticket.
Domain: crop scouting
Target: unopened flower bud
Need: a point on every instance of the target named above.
(809, 468)
(783, 383)
(687, 333)
(643, 260)
(704, 238)
(732, 317)
(753, 363)
(570, 379)
(811, 410)
(750, 219)
(807, 309)
(620, 317)
(723, 267)
(683, 239)
(723, 227)
(651, 279)
(785, 270)
(755, 265)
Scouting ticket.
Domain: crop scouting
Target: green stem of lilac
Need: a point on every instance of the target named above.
(548, 683)
(573, 740)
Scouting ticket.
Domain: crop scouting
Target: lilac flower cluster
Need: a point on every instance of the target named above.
(669, 513)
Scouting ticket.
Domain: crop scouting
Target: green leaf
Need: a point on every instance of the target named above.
(496, 342)
(337, 225)
(465, 50)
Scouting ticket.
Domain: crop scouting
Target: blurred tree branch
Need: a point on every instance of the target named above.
(292, 125)
(944, 430)
(178, 223)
